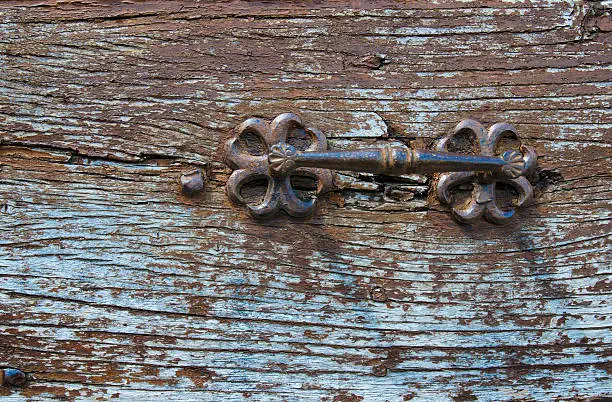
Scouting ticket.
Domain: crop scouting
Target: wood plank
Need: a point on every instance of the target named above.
(113, 284)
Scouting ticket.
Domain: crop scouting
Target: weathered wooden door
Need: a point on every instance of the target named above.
(116, 284)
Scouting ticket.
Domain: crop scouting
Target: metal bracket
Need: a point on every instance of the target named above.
(280, 161)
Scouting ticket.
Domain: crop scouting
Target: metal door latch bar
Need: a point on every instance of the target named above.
(281, 160)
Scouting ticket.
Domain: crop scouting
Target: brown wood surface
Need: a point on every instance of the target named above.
(115, 285)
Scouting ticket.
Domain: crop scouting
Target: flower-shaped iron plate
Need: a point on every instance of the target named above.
(280, 193)
(482, 202)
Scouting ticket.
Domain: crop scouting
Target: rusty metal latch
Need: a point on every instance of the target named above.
(281, 160)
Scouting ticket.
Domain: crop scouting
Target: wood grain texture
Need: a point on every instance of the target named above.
(115, 285)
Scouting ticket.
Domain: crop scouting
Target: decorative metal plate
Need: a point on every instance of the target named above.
(279, 194)
(280, 161)
(482, 202)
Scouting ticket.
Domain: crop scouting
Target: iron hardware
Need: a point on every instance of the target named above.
(281, 160)
(12, 377)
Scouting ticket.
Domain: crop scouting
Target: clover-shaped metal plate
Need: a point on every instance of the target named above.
(280, 194)
(482, 202)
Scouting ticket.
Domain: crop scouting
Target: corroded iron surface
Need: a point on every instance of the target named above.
(482, 202)
(275, 165)
(280, 160)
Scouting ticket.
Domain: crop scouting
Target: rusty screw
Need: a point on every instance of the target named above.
(378, 294)
(192, 181)
(13, 377)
